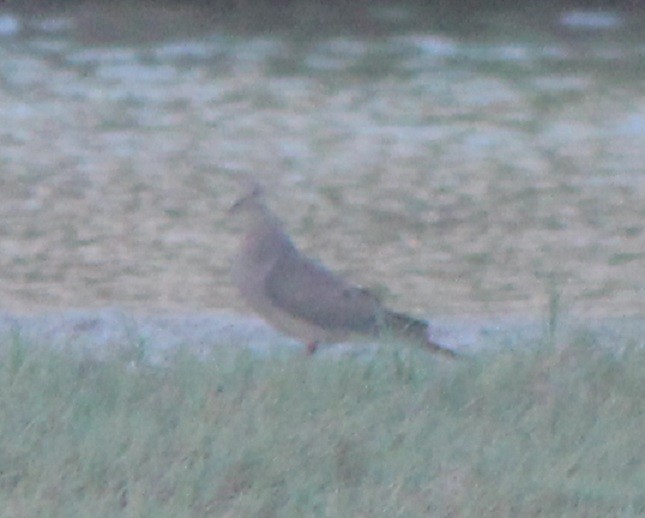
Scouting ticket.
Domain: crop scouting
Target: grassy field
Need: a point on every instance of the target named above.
(546, 430)
(456, 172)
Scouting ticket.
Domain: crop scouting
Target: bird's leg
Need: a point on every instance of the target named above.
(312, 347)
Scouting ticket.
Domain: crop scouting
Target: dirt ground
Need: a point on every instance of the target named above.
(466, 190)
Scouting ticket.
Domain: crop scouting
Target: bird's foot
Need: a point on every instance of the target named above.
(312, 347)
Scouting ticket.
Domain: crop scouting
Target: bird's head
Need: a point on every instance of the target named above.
(250, 210)
(251, 200)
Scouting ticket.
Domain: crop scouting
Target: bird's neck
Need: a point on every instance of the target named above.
(264, 235)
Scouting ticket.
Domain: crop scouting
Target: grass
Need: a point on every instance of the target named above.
(542, 430)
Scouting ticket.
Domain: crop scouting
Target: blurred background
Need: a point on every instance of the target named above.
(460, 157)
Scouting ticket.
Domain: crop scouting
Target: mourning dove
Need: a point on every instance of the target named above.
(301, 297)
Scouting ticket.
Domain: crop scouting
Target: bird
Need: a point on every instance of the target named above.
(301, 297)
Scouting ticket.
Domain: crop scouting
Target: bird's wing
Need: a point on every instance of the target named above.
(308, 291)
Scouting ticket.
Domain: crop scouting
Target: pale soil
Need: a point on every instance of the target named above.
(460, 190)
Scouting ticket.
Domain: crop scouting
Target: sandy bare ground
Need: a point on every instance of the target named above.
(453, 186)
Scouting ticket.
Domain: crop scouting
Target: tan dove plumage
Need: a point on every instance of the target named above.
(301, 297)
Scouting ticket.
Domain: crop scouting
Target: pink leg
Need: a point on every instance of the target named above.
(312, 347)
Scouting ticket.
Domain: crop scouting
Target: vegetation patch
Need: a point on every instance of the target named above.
(541, 430)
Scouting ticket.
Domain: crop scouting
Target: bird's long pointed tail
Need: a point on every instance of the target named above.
(412, 329)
